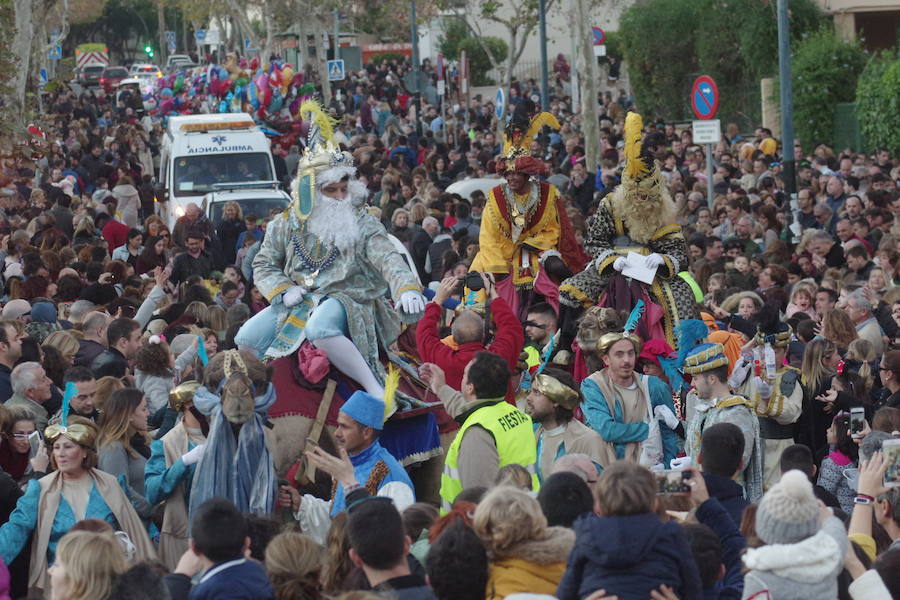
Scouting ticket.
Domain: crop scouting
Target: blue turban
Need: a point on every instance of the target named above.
(365, 409)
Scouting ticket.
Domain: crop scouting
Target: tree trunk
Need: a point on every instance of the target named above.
(586, 65)
(21, 47)
(161, 25)
(321, 60)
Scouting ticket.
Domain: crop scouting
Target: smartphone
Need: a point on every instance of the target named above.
(857, 421)
(34, 440)
(674, 483)
(891, 450)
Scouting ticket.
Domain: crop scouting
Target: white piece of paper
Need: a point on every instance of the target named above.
(636, 267)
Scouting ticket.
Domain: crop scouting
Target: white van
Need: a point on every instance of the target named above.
(199, 151)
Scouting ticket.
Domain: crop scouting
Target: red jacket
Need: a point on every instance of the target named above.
(508, 343)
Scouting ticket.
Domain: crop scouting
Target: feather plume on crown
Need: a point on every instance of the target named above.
(634, 164)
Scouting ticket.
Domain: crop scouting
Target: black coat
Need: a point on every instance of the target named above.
(228, 231)
(110, 362)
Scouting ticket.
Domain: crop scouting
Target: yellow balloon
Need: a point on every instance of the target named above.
(287, 76)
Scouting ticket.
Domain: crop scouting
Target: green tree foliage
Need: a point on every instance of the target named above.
(479, 63)
(9, 121)
(878, 103)
(668, 43)
(455, 31)
(658, 37)
(825, 69)
(125, 27)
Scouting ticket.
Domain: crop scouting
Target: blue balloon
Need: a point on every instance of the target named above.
(276, 103)
(166, 93)
(252, 97)
(223, 106)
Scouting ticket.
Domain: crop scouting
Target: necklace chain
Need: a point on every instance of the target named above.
(319, 261)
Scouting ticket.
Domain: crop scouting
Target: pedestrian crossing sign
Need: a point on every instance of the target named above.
(335, 70)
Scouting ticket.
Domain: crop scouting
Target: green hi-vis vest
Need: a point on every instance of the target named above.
(514, 436)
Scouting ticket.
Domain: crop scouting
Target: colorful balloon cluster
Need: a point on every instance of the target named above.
(270, 91)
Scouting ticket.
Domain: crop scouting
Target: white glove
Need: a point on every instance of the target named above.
(665, 414)
(293, 296)
(739, 374)
(654, 260)
(765, 389)
(680, 464)
(412, 302)
(192, 457)
(619, 264)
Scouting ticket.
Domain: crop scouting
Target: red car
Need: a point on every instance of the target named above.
(111, 77)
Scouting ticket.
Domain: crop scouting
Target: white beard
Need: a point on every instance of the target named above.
(335, 221)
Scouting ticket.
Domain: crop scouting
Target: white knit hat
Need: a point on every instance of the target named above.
(789, 511)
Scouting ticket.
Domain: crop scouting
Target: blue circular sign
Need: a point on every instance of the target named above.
(500, 103)
(704, 97)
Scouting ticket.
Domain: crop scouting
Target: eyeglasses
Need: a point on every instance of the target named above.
(22, 436)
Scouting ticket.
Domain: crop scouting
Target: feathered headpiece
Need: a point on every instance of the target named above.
(519, 133)
(627, 333)
(695, 354)
(634, 129)
(322, 154)
(80, 431)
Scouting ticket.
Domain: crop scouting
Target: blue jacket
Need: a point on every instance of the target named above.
(629, 557)
(712, 514)
(613, 430)
(730, 495)
(240, 579)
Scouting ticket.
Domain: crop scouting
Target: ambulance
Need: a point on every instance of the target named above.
(201, 151)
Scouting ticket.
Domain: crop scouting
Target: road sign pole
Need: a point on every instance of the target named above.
(787, 100)
(337, 35)
(414, 34)
(709, 175)
(542, 29)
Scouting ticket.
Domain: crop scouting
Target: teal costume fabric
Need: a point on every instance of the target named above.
(16, 532)
(612, 428)
(159, 481)
(360, 280)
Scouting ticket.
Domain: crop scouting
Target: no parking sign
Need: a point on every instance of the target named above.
(704, 97)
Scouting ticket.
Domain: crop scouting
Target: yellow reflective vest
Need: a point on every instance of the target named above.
(514, 435)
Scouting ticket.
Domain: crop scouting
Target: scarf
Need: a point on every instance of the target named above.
(12, 462)
(108, 487)
(630, 414)
(241, 469)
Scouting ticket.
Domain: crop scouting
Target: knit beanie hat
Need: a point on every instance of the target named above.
(788, 512)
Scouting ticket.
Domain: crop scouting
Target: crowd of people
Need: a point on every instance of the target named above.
(713, 432)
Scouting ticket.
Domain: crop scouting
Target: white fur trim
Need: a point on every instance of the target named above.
(334, 174)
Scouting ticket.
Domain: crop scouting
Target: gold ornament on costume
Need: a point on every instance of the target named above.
(182, 394)
(516, 155)
(556, 391)
(79, 430)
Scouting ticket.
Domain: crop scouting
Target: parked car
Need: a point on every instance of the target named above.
(111, 77)
(144, 69)
(178, 62)
(90, 75)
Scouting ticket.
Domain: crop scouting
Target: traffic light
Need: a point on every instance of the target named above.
(149, 50)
